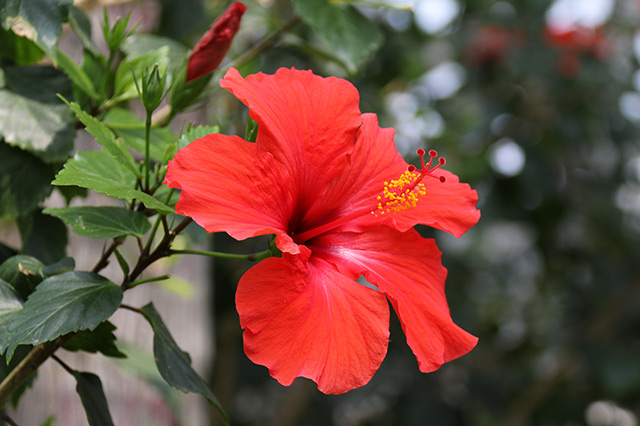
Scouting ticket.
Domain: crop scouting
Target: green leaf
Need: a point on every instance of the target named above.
(99, 171)
(186, 138)
(140, 44)
(43, 237)
(31, 115)
(23, 272)
(105, 137)
(174, 364)
(6, 367)
(102, 222)
(17, 49)
(24, 181)
(94, 401)
(6, 252)
(60, 267)
(82, 27)
(125, 83)
(76, 74)
(62, 304)
(10, 303)
(131, 129)
(43, 17)
(346, 33)
(252, 130)
(100, 340)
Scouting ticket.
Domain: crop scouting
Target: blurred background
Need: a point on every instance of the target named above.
(536, 104)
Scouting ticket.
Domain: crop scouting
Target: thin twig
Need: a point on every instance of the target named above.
(264, 44)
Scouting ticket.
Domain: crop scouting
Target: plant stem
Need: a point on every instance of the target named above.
(29, 364)
(264, 44)
(5, 418)
(150, 280)
(253, 257)
(147, 137)
(63, 364)
(103, 261)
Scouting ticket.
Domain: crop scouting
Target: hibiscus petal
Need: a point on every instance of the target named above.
(229, 185)
(302, 318)
(449, 205)
(407, 268)
(306, 121)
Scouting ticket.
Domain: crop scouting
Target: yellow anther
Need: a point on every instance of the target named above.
(401, 194)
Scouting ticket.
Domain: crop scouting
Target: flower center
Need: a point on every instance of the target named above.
(398, 194)
(403, 193)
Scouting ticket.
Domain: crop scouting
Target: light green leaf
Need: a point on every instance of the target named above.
(141, 44)
(25, 181)
(18, 50)
(76, 74)
(174, 364)
(43, 17)
(125, 84)
(105, 137)
(62, 304)
(31, 115)
(100, 340)
(346, 33)
(131, 129)
(94, 401)
(99, 171)
(102, 222)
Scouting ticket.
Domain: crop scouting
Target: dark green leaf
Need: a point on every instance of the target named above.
(131, 129)
(44, 17)
(43, 237)
(105, 137)
(94, 401)
(18, 50)
(99, 171)
(61, 304)
(71, 192)
(31, 115)
(348, 35)
(6, 367)
(102, 222)
(10, 303)
(63, 265)
(82, 27)
(77, 75)
(24, 181)
(100, 340)
(6, 252)
(121, 261)
(23, 272)
(174, 364)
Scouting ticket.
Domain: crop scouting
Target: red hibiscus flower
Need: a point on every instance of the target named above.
(342, 203)
(214, 44)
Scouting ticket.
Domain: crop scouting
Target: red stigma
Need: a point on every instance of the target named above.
(426, 168)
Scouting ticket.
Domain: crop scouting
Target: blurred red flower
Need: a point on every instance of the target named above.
(575, 41)
(342, 203)
(214, 44)
(492, 44)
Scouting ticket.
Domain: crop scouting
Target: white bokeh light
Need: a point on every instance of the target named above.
(629, 104)
(444, 80)
(433, 16)
(507, 157)
(565, 15)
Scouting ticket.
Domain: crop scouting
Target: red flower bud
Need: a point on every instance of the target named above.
(214, 44)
